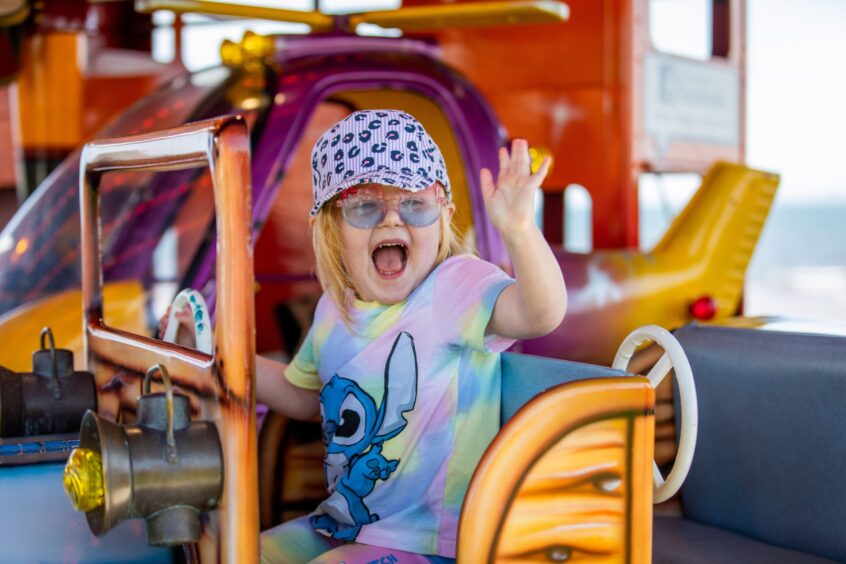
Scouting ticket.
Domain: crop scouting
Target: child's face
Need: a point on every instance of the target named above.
(387, 262)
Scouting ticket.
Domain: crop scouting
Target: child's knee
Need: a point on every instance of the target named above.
(293, 542)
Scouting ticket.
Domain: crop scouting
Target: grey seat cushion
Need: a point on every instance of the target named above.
(679, 541)
(771, 450)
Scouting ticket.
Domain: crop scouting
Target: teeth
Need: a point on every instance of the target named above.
(398, 245)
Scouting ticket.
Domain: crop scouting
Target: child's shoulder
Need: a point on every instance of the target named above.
(326, 308)
(461, 275)
(464, 265)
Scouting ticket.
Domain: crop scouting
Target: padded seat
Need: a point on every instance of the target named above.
(770, 451)
(680, 541)
(525, 376)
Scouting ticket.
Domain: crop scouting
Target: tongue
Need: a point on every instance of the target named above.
(388, 259)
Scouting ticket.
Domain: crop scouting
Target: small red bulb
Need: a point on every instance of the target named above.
(703, 308)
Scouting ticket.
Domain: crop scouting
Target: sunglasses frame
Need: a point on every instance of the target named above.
(344, 198)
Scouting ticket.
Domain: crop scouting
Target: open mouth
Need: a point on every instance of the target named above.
(389, 258)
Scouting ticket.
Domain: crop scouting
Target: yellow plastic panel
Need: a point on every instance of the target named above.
(20, 328)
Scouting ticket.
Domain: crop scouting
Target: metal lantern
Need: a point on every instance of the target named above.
(164, 469)
(50, 399)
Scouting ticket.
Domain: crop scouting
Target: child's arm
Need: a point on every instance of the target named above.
(274, 390)
(272, 387)
(536, 303)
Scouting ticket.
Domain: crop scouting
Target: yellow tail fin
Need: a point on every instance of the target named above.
(719, 229)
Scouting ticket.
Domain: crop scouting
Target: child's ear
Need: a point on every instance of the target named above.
(311, 221)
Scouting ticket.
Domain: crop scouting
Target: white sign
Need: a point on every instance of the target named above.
(690, 101)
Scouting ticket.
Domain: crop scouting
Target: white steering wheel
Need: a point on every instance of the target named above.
(199, 314)
(672, 359)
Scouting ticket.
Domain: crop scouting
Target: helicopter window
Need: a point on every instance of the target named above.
(180, 242)
(682, 27)
(661, 197)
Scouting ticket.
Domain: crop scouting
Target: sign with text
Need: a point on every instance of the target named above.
(693, 102)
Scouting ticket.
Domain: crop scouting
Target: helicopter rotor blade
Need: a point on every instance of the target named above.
(476, 14)
(315, 20)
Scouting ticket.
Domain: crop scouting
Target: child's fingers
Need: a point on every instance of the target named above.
(163, 323)
(184, 315)
(520, 157)
(487, 181)
(543, 170)
(504, 162)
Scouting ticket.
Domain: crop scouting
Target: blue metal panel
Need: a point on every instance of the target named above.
(38, 523)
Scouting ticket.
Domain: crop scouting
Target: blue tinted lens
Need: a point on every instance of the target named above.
(364, 214)
(416, 210)
(419, 211)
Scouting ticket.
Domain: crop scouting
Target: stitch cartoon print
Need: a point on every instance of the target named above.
(354, 430)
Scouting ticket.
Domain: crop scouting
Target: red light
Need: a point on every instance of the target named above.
(703, 308)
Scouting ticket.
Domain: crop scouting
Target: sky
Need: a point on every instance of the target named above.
(797, 82)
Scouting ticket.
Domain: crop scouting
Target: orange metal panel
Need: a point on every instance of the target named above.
(50, 91)
(8, 158)
(61, 103)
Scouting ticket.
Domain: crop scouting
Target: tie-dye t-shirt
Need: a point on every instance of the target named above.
(410, 399)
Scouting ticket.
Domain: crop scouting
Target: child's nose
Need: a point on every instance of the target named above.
(392, 216)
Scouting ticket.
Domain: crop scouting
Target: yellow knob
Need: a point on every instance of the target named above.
(538, 154)
(83, 479)
(257, 46)
(231, 53)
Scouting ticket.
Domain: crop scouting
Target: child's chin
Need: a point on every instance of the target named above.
(391, 298)
(392, 292)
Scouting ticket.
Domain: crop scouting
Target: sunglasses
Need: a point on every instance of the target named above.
(365, 208)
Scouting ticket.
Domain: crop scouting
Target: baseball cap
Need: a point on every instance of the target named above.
(375, 146)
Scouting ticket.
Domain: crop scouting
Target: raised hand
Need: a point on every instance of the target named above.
(185, 333)
(510, 200)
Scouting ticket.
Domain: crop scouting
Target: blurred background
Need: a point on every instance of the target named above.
(795, 119)
(796, 126)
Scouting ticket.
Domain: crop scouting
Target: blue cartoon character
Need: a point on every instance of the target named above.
(354, 430)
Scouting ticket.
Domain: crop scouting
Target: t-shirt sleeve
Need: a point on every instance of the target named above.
(466, 291)
(302, 371)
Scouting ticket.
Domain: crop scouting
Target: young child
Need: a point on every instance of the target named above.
(402, 361)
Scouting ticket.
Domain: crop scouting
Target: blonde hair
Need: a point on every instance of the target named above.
(326, 240)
